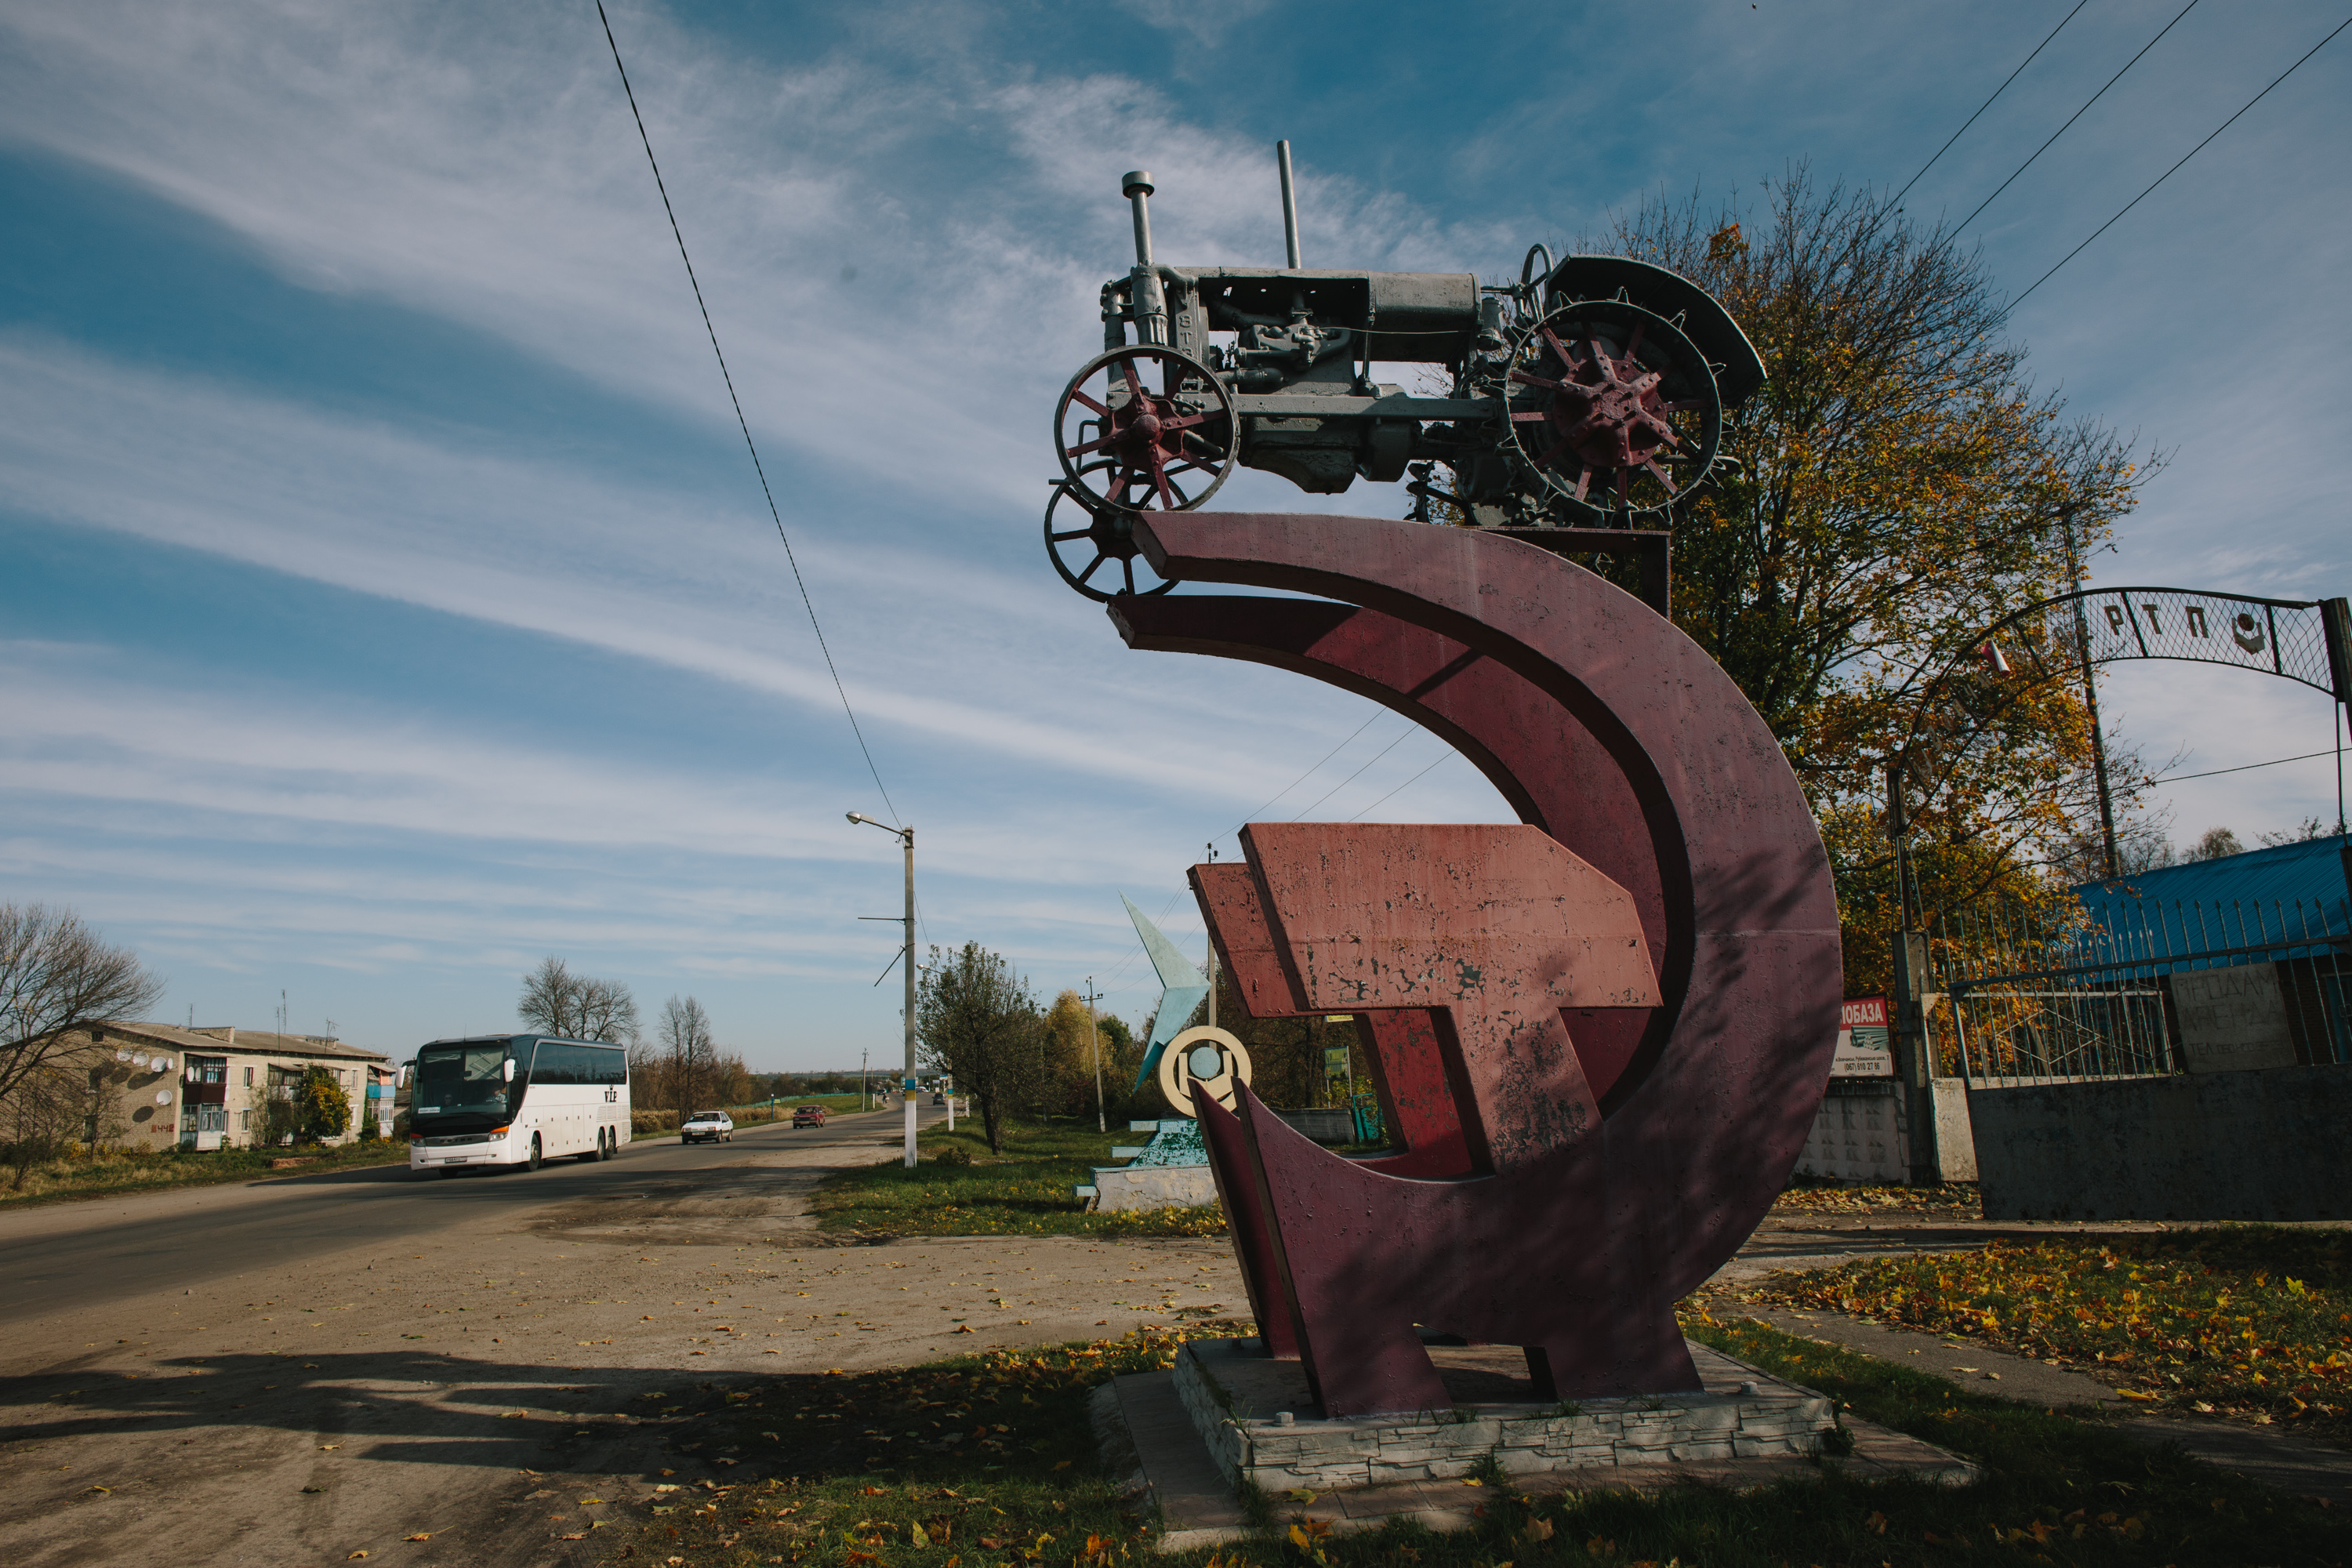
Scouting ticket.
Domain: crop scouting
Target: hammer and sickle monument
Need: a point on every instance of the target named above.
(1598, 1037)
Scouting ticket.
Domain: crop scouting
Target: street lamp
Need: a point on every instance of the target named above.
(906, 838)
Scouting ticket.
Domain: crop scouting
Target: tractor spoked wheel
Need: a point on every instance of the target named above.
(1615, 407)
(1131, 445)
(1095, 536)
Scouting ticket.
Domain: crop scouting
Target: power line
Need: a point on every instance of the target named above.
(1444, 756)
(2248, 767)
(1310, 773)
(745, 424)
(2077, 115)
(1351, 778)
(1986, 104)
(2102, 228)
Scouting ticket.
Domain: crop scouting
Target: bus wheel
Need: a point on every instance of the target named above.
(535, 1161)
(612, 1142)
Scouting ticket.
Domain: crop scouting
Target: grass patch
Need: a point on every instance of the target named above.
(108, 1173)
(1025, 1190)
(2250, 1321)
(988, 1462)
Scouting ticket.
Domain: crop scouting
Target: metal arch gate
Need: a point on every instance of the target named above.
(2303, 641)
(2070, 635)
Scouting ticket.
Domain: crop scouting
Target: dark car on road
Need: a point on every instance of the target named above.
(809, 1116)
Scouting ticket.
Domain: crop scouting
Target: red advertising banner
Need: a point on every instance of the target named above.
(1865, 1046)
(1863, 1013)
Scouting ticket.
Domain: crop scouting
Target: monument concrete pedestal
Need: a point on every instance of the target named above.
(1229, 1419)
(1170, 1171)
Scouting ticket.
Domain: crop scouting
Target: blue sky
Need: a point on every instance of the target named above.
(388, 600)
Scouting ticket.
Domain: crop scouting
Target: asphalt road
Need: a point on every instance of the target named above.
(68, 1257)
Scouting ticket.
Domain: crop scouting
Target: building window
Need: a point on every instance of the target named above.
(245, 1118)
(248, 1077)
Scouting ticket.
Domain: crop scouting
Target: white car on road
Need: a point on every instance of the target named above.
(708, 1126)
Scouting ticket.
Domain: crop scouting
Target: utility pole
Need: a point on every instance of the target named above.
(907, 840)
(2091, 701)
(1914, 1066)
(864, 1097)
(1094, 1040)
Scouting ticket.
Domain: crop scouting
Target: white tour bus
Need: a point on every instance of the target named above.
(515, 1099)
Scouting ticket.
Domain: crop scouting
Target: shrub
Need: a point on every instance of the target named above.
(643, 1121)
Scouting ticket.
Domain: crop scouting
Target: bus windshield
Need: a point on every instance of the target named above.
(461, 1078)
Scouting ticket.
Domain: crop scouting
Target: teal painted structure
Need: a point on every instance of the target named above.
(1181, 988)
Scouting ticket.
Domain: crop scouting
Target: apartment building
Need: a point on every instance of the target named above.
(154, 1085)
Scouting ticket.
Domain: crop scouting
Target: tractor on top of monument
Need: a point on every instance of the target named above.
(1588, 396)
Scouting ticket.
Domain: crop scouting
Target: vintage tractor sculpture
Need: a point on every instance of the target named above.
(1587, 398)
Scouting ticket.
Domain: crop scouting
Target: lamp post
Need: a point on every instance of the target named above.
(907, 840)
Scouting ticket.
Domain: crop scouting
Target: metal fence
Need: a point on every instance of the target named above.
(2087, 993)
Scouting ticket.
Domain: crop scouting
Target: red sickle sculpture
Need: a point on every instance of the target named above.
(1581, 1238)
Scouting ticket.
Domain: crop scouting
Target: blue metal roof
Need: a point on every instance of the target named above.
(2313, 869)
(2287, 890)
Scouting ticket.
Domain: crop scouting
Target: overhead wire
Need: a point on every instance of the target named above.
(1249, 817)
(1446, 756)
(1302, 778)
(2077, 115)
(2242, 768)
(2127, 206)
(744, 425)
(1351, 778)
(1973, 118)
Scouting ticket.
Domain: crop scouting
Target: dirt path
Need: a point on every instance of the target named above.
(474, 1385)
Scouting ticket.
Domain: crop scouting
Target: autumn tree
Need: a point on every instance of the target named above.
(318, 1107)
(1897, 485)
(975, 1018)
(1068, 1040)
(555, 1001)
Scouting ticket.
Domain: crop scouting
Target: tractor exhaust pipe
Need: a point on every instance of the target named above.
(1151, 302)
(1289, 208)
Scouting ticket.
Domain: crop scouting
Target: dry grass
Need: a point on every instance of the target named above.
(2248, 1320)
(108, 1172)
(1952, 1200)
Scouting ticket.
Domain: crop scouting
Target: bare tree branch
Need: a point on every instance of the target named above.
(55, 976)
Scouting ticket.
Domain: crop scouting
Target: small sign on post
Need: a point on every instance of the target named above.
(1865, 1044)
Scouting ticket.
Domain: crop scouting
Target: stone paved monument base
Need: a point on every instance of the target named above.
(1261, 1426)
(1176, 1435)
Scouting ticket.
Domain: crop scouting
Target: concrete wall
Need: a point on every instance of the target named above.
(1325, 1124)
(2268, 1144)
(1862, 1133)
(1956, 1148)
